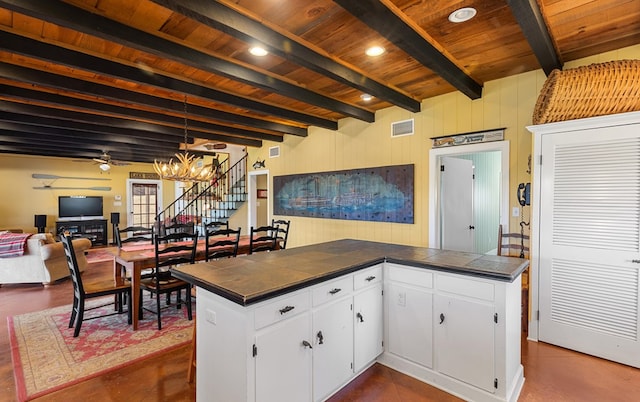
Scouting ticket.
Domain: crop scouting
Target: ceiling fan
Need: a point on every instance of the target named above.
(105, 162)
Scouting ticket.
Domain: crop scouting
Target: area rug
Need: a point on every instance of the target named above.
(46, 357)
(99, 256)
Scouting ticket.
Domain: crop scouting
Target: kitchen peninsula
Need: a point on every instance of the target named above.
(299, 324)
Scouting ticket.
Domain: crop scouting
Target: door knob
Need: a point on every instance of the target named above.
(471, 227)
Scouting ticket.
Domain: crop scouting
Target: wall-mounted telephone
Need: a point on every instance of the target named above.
(524, 193)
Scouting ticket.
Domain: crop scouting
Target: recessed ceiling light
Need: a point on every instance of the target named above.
(258, 51)
(374, 51)
(366, 97)
(462, 15)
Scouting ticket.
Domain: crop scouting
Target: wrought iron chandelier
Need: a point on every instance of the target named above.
(186, 168)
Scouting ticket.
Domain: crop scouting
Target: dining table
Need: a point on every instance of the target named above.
(136, 257)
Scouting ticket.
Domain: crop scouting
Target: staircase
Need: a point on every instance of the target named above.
(209, 202)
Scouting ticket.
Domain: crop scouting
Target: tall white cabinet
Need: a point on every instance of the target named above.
(586, 236)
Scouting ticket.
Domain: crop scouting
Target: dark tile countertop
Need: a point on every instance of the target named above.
(253, 278)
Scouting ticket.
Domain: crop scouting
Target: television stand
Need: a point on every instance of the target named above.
(93, 229)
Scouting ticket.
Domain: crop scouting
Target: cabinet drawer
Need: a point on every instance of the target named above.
(281, 309)
(367, 277)
(411, 276)
(332, 290)
(474, 288)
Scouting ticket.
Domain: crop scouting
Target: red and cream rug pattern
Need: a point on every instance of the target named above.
(46, 357)
(98, 255)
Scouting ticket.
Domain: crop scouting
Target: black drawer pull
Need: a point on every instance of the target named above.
(334, 291)
(370, 278)
(360, 317)
(306, 344)
(286, 309)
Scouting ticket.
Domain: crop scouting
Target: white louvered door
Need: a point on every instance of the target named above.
(590, 242)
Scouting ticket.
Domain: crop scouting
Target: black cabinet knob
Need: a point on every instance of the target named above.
(320, 338)
(359, 317)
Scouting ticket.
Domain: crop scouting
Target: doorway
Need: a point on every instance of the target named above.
(144, 200)
(258, 208)
(487, 201)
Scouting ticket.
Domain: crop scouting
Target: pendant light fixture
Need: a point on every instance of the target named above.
(186, 168)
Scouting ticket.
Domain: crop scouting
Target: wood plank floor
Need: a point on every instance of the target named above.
(551, 373)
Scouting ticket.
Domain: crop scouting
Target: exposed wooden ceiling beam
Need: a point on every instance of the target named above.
(384, 21)
(533, 27)
(42, 78)
(80, 150)
(87, 106)
(240, 26)
(109, 140)
(65, 15)
(58, 55)
(32, 114)
(62, 147)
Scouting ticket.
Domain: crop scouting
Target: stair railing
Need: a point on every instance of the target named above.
(208, 202)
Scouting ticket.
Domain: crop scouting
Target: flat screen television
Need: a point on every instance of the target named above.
(79, 207)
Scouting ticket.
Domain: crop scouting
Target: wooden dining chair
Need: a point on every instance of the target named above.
(170, 250)
(174, 228)
(264, 238)
(283, 231)
(216, 225)
(83, 291)
(221, 243)
(135, 234)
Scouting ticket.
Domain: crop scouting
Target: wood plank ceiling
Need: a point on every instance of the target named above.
(79, 77)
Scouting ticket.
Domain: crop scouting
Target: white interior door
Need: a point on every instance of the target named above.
(253, 209)
(457, 204)
(589, 242)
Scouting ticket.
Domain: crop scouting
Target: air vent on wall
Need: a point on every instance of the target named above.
(274, 152)
(400, 128)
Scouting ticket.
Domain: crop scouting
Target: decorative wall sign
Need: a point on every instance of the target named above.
(380, 194)
(261, 193)
(469, 138)
(144, 175)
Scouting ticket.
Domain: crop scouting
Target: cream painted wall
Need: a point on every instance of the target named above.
(507, 102)
(19, 201)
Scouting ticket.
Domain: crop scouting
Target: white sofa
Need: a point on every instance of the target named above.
(43, 261)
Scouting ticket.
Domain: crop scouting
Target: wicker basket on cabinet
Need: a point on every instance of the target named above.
(593, 90)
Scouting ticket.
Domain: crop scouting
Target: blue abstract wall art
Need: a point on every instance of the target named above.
(380, 194)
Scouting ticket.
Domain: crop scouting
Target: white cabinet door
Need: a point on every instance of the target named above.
(283, 361)
(332, 347)
(410, 325)
(464, 340)
(367, 315)
(589, 241)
